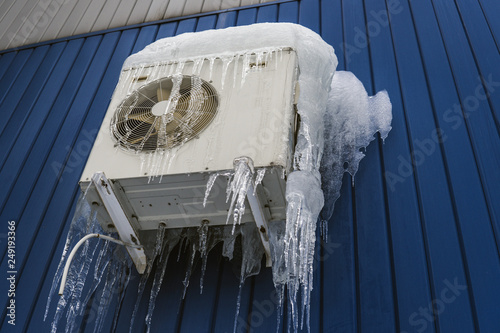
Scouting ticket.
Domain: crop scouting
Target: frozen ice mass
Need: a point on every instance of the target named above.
(338, 120)
(352, 119)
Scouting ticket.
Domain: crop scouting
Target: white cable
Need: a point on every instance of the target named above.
(72, 254)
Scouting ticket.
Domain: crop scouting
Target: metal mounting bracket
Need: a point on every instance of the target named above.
(260, 220)
(119, 218)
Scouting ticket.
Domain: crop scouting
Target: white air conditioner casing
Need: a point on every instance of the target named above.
(256, 118)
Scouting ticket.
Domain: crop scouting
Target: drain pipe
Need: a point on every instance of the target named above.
(72, 254)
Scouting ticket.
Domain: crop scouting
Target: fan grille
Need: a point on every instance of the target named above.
(189, 105)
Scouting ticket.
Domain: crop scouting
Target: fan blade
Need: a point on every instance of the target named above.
(162, 94)
(144, 117)
(143, 138)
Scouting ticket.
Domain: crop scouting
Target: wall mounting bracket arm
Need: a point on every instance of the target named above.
(120, 220)
(260, 220)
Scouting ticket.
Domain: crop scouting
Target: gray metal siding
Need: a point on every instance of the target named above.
(24, 22)
(413, 246)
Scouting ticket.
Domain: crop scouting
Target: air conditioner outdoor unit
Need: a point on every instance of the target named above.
(171, 124)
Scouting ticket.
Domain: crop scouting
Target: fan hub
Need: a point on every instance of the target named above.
(162, 108)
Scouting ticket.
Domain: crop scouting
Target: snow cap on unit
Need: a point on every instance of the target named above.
(234, 40)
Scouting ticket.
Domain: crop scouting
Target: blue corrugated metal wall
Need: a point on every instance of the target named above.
(413, 247)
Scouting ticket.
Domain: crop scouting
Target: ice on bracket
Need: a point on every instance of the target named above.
(157, 252)
(113, 266)
(111, 271)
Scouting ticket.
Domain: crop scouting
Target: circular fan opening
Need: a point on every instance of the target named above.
(164, 113)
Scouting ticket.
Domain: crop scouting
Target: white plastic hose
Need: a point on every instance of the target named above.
(72, 254)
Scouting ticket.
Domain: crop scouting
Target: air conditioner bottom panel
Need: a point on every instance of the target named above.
(177, 200)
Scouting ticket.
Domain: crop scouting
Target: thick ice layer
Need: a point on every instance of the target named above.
(157, 253)
(100, 267)
(227, 42)
(304, 202)
(109, 264)
(352, 119)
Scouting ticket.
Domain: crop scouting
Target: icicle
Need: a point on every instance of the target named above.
(154, 72)
(171, 239)
(164, 119)
(229, 239)
(275, 54)
(106, 295)
(189, 271)
(212, 60)
(225, 64)
(252, 249)
(140, 291)
(155, 289)
(323, 227)
(182, 248)
(202, 246)
(251, 259)
(197, 66)
(304, 202)
(258, 179)
(160, 234)
(101, 265)
(210, 184)
(258, 60)
(245, 67)
(195, 105)
(157, 163)
(235, 70)
(143, 168)
(180, 67)
(237, 188)
(280, 290)
(238, 304)
(125, 279)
